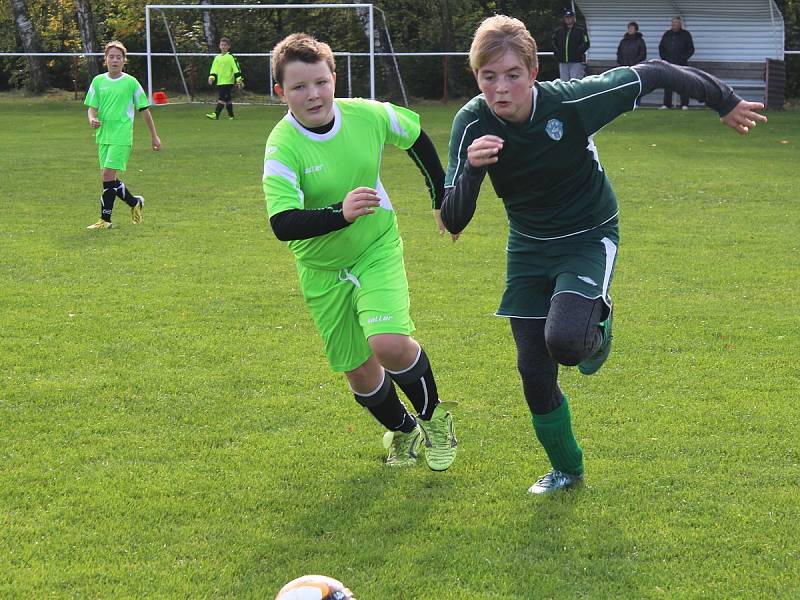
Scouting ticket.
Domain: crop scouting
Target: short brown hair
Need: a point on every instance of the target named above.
(115, 44)
(302, 47)
(225, 39)
(499, 34)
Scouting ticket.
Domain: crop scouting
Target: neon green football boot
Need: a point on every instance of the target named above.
(440, 438)
(592, 364)
(101, 224)
(136, 210)
(403, 447)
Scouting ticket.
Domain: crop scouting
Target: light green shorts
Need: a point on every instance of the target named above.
(114, 156)
(350, 305)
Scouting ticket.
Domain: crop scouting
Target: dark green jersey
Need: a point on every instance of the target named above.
(548, 174)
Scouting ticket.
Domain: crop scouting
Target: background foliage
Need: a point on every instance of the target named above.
(414, 25)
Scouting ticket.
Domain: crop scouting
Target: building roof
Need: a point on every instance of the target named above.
(723, 30)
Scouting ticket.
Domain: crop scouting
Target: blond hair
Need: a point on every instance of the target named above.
(302, 47)
(499, 34)
(118, 45)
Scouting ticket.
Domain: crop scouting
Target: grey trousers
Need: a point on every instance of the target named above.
(569, 71)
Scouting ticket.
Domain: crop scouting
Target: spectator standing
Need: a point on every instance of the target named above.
(676, 47)
(570, 43)
(632, 48)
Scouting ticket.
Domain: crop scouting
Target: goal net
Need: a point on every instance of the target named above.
(182, 41)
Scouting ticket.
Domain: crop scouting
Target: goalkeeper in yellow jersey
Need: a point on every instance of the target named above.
(226, 74)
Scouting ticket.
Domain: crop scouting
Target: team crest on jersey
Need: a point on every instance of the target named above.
(555, 129)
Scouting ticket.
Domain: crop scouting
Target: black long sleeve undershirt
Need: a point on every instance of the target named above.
(460, 201)
(302, 224)
(687, 81)
(424, 155)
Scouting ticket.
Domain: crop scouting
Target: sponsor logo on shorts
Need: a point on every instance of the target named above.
(314, 169)
(380, 319)
(588, 280)
(555, 129)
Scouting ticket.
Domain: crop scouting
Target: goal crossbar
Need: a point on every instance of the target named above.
(204, 7)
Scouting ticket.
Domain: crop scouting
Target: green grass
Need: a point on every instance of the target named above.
(169, 426)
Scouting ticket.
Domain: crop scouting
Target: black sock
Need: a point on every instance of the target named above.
(229, 106)
(124, 193)
(418, 384)
(107, 200)
(385, 406)
(218, 109)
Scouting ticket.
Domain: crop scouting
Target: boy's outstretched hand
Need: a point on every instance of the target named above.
(744, 116)
(156, 142)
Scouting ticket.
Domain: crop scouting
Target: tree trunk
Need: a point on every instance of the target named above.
(447, 44)
(30, 43)
(83, 13)
(208, 28)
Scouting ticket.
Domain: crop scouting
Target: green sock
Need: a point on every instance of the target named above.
(554, 431)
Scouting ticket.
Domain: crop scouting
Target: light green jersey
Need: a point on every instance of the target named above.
(225, 69)
(549, 174)
(306, 170)
(116, 101)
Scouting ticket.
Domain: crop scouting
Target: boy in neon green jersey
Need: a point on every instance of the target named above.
(225, 72)
(535, 141)
(112, 99)
(324, 196)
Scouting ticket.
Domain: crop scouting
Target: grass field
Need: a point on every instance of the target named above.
(169, 427)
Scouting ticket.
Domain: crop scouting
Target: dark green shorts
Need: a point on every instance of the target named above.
(540, 269)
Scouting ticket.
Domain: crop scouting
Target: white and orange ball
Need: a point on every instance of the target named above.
(314, 587)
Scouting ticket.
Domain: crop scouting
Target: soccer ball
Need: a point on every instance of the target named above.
(314, 587)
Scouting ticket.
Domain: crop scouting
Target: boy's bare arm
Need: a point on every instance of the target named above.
(155, 140)
(93, 120)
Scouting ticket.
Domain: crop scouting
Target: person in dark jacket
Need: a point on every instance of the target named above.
(677, 48)
(570, 43)
(631, 49)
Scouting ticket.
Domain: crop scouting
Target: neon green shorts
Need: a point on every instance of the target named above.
(539, 269)
(350, 305)
(114, 156)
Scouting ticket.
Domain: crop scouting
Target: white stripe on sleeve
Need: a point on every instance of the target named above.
(275, 168)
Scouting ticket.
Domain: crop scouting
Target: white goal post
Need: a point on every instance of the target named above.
(204, 7)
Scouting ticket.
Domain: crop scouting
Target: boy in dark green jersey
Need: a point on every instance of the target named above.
(225, 72)
(325, 198)
(113, 98)
(534, 139)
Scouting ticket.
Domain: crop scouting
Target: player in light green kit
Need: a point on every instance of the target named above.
(324, 196)
(113, 98)
(225, 72)
(535, 141)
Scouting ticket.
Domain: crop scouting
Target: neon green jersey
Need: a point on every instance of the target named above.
(305, 170)
(225, 69)
(116, 101)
